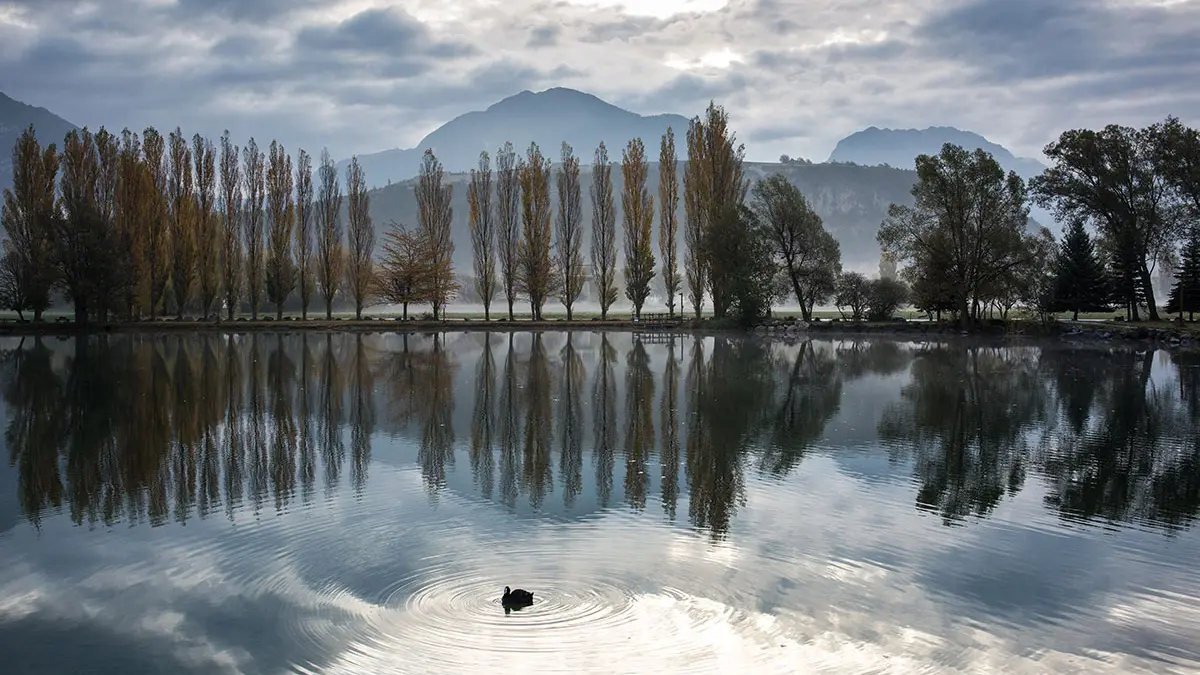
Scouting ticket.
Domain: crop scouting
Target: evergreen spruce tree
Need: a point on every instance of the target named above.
(1185, 294)
(1123, 273)
(1079, 280)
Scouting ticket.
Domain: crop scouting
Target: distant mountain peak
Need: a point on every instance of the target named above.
(560, 99)
(899, 147)
(548, 118)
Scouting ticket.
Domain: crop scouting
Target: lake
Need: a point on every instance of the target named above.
(356, 503)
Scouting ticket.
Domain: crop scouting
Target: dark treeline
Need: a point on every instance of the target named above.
(130, 429)
(969, 248)
(134, 228)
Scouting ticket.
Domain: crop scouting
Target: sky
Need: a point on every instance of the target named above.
(359, 76)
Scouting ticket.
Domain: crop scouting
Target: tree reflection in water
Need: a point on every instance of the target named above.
(152, 429)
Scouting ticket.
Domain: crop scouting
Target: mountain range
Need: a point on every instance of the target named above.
(15, 117)
(866, 171)
(547, 118)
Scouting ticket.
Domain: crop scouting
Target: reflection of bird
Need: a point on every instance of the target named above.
(516, 599)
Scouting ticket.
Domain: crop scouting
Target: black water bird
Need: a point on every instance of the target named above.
(517, 598)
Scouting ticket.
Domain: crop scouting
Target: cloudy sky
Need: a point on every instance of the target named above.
(796, 75)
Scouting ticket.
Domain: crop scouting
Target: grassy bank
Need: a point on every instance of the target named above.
(1167, 333)
(366, 324)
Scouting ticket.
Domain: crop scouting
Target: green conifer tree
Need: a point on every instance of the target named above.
(1079, 281)
(1185, 294)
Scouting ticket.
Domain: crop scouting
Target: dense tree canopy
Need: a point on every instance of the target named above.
(968, 225)
(136, 225)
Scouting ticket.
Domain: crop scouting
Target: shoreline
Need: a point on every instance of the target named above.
(1166, 335)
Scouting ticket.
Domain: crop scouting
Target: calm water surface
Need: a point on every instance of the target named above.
(356, 504)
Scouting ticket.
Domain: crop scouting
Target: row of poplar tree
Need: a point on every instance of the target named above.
(526, 247)
(129, 226)
(133, 227)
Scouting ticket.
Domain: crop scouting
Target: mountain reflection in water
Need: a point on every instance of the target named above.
(774, 500)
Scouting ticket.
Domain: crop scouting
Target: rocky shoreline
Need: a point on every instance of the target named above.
(1167, 336)
(1164, 337)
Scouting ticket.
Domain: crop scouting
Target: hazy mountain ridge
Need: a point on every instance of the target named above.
(898, 148)
(15, 117)
(852, 201)
(547, 118)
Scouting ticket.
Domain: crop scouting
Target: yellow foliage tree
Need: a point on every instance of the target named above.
(638, 219)
(434, 216)
(535, 271)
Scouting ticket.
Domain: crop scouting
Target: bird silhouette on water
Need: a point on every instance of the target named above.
(516, 599)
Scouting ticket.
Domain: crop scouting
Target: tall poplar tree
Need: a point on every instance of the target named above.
(508, 222)
(713, 186)
(183, 216)
(208, 234)
(535, 270)
(254, 177)
(668, 203)
(231, 222)
(134, 201)
(604, 232)
(568, 242)
(304, 230)
(157, 237)
(435, 215)
(360, 235)
(280, 271)
(331, 257)
(483, 232)
(637, 205)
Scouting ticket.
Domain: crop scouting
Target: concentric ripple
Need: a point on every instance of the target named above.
(438, 608)
(446, 619)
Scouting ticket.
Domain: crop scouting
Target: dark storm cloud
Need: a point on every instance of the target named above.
(243, 10)
(543, 36)
(380, 31)
(1013, 40)
(686, 92)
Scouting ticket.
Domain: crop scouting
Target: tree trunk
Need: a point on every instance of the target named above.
(81, 313)
(568, 312)
(510, 308)
(964, 311)
(1148, 289)
(328, 309)
(405, 305)
(279, 312)
(1075, 316)
(37, 315)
